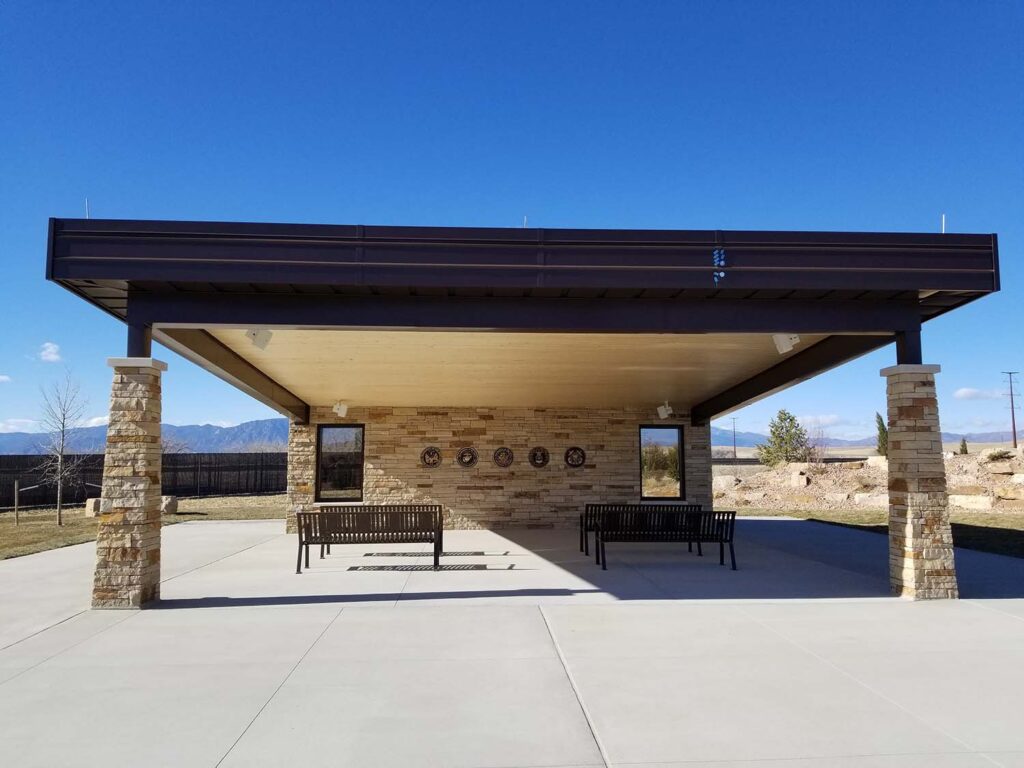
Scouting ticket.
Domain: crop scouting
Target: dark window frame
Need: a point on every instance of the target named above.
(681, 457)
(362, 456)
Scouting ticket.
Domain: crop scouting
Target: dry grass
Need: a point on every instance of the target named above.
(38, 530)
(1001, 533)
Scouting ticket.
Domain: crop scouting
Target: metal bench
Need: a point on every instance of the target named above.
(371, 524)
(693, 527)
(592, 514)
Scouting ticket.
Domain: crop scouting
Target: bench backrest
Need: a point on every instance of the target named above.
(370, 519)
(593, 512)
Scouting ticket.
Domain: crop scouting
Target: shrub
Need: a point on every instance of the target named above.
(963, 446)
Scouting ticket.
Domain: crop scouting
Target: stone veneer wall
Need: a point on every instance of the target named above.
(128, 538)
(487, 495)
(920, 541)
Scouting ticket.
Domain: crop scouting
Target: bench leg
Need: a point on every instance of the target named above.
(298, 561)
(721, 553)
(437, 555)
(328, 549)
(604, 557)
(732, 555)
(700, 550)
(322, 551)
(307, 555)
(689, 546)
(597, 548)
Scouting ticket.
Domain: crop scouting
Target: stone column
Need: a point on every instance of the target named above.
(697, 464)
(128, 541)
(301, 471)
(920, 542)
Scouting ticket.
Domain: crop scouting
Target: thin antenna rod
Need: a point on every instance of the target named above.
(87, 207)
(524, 222)
(943, 223)
(735, 460)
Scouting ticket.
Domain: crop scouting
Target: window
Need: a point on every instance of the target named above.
(339, 463)
(661, 463)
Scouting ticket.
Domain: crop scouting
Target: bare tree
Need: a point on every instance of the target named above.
(63, 409)
(170, 445)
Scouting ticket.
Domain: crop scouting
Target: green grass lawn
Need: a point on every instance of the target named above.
(39, 531)
(999, 532)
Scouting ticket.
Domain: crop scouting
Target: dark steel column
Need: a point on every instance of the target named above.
(908, 346)
(140, 341)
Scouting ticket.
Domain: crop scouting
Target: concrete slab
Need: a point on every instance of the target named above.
(400, 712)
(519, 652)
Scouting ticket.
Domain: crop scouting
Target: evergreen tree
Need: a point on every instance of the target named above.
(882, 443)
(963, 446)
(787, 441)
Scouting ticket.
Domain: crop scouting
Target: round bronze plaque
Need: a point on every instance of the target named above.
(503, 457)
(575, 457)
(431, 456)
(539, 457)
(466, 457)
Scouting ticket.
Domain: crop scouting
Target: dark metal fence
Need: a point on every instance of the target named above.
(184, 474)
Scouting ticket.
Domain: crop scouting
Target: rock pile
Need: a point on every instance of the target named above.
(990, 480)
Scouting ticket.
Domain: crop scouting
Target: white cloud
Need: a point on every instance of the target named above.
(970, 393)
(825, 420)
(96, 421)
(49, 352)
(18, 425)
(4, 378)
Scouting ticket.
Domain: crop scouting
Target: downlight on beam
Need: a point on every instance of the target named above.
(784, 342)
(259, 337)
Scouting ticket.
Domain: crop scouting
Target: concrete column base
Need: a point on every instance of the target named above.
(921, 562)
(128, 540)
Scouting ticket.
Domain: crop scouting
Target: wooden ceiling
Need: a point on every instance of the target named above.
(475, 369)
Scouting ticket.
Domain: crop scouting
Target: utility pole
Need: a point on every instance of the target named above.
(1013, 408)
(735, 460)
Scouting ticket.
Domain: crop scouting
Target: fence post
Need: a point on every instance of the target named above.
(17, 520)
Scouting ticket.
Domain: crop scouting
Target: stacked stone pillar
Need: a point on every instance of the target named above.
(697, 464)
(128, 541)
(301, 471)
(920, 542)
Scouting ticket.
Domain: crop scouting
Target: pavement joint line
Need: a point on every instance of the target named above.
(129, 615)
(279, 686)
(985, 606)
(868, 687)
(219, 559)
(575, 689)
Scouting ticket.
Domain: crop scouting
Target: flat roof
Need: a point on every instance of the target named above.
(192, 282)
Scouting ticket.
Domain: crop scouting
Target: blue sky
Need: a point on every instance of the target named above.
(848, 116)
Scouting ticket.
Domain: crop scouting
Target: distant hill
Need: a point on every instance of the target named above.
(265, 434)
(272, 435)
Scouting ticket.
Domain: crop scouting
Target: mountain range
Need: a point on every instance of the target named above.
(272, 435)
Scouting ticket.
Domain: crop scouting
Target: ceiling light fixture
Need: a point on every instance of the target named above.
(784, 342)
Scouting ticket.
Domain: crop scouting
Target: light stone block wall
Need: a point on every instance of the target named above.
(486, 495)
(128, 540)
(921, 562)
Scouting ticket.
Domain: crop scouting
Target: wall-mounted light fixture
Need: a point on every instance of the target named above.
(340, 409)
(664, 411)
